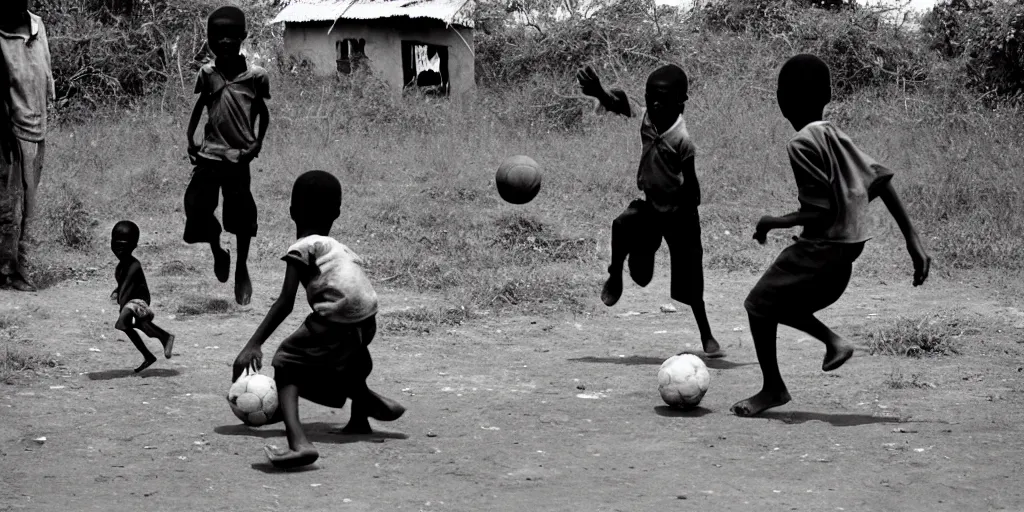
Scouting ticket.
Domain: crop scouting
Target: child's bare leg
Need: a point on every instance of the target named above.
(301, 451)
(368, 404)
(221, 261)
(711, 347)
(243, 286)
(154, 331)
(837, 350)
(773, 390)
(124, 323)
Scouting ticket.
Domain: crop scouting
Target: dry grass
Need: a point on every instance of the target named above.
(16, 357)
(932, 335)
(421, 208)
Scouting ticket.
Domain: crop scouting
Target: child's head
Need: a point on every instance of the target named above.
(225, 31)
(316, 201)
(805, 87)
(124, 238)
(666, 95)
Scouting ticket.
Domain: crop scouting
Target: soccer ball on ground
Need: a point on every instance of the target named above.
(518, 179)
(682, 381)
(253, 398)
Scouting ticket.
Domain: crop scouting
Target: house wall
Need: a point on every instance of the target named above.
(311, 41)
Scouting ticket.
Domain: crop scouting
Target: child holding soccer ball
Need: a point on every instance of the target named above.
(326, 360)
(835, 181)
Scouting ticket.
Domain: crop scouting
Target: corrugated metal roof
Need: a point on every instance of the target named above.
(457, 12)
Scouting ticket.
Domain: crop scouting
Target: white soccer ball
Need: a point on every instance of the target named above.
(682, 381)
(253, 398)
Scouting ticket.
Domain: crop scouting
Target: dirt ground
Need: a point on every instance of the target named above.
(526, 413)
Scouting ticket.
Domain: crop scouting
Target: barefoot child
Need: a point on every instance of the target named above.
(327, 359)
(835, 181)
(132, 294)
(26, 83)
(234, 94)
(667, 177)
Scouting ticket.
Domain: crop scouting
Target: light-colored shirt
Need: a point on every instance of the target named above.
(662, 175)
(336, 286)
(230, 125)
(26, 57)
(834, 175)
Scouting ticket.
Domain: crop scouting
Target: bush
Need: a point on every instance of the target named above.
(987, 35)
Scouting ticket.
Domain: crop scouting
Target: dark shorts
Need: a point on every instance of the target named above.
(324, 357)
(209, 179)
(807, 277)
(642, 228)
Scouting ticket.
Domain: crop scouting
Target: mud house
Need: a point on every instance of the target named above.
(408, 43)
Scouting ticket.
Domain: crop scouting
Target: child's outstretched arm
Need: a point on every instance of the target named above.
(612, 101)
(251, 355)
(922, 262)
(193, 123)
(804, 217)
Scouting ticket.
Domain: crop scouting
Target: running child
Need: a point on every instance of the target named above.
(326, 360)
(835, 181)
(234, 94)
(132, 295)
(26, 83)
(668, 178)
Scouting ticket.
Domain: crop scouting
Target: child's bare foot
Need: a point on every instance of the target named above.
(221, 264)
(243, 286)
(836, 354)
(761, 402)
(291, 458)
(711, 348)
(145, 364)
(612, 289)
(168, 346)
(385, 409)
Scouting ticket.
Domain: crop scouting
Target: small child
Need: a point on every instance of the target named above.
(835, 182)
(327, 359)
(234, 94)
(668, 178)
(132, 294)
(26, 83)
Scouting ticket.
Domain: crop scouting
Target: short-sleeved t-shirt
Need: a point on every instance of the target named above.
(668, 184)
(29, 79)
(230, 126)
(336, 286)
(833, 174)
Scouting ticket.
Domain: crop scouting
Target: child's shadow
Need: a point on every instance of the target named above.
(836, 420)
(270, 469)
(125, 372)
(318, 432)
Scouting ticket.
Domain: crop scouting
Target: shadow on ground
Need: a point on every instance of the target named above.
(318, 432)
(269, 468)
(718, 364)
(836, 420)
(673, 412)
(125, 372)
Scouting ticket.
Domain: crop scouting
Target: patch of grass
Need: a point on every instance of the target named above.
(15, 362)
(69, 219)
(918, 337)
(897, 379)
(177, 268)
(192, 306)
(526, 237)
(422, 320)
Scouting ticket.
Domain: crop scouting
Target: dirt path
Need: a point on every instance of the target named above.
(526, 413)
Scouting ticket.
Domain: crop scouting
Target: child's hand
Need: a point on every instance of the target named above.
(250, 358)
(590, 84)
(922, 262)
(763, 227)
(248, 155)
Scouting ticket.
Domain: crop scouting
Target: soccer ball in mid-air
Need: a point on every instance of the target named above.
(682, 381)
(253, 398)
(518, 179)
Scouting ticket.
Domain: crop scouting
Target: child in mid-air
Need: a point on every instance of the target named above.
(234, 94)
(327, 359)
(668, 179)
(835, 182)
(26, 83)
(132, 294)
